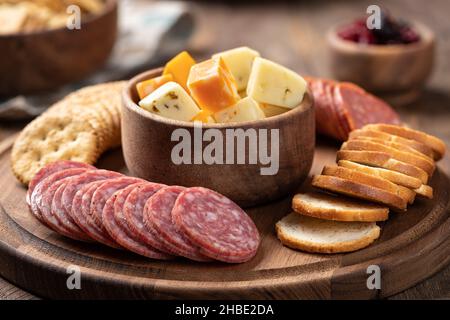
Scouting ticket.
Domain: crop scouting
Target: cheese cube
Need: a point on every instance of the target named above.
(179, 68)
(271, 110)
(274, 84)
(246, 109)
(146, 87)
(212, 85)
(204, 116)
(171, 101)
(240, 61)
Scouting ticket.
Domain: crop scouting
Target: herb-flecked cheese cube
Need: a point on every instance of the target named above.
(274, 84)
(246, 109)
(240, 61)
(212, 85)
(171, 101)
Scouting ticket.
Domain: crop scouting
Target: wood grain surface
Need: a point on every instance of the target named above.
(412, 246)
(294, 34)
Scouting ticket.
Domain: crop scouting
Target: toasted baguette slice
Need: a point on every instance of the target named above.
(369, 180)
(364, 145)
(393, 176)
(433, 142)
(397, 146)
(383, 160)
(425, 191)
(325, 236)
(330, 207)
(418, 146)
(360, 191)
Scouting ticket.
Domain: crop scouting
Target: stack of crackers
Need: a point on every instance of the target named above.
(26, 16)
(80, 128)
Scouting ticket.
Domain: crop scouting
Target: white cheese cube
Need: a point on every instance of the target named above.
(274, 84)
(245, 109)
(171, 101)
(239, 61)
(271, 110)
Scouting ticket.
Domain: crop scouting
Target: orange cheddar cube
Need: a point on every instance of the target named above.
(146, 87)
(179, 68)
(212, 85)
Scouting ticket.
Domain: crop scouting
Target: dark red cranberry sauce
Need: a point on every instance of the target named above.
(392, 31)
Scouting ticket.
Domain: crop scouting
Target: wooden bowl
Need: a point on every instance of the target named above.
(391, 70)
(147, 147)
(44, 60)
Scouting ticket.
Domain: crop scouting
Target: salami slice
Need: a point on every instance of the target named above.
(134, 214)
(326, 111)
(364, 108)
(218, 226)
(321, 107)
(43, 185)
(50, 169)
(59, 213)
(62, 201)
(158, 217)
(50, 218)
(42, 198)
(114, 222)
(104, 192)
(336, 124)
(81, 214)
(342, 107)
(342, 118)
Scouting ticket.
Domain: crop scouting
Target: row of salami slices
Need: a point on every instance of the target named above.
(341, 107)
(153, 220)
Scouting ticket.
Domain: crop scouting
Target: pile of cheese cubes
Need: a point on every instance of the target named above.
(233, 86)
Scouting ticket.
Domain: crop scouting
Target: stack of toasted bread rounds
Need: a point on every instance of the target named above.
(380, 168)
(80, 128)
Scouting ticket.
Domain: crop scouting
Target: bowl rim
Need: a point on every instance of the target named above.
(109, 7)
(305, 105)
(427, 38)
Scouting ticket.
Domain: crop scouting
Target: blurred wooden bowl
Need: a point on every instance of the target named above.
(44, 60)
(396, 71)
(147, 146)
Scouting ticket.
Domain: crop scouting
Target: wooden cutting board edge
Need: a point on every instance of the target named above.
(340, 279)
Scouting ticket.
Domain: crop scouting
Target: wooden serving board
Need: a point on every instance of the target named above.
(413, 246)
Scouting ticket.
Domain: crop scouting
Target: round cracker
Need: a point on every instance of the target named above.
(88, 113)
(50, 138)
(104, 99)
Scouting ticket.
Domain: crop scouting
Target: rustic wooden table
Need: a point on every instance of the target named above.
(293, 34)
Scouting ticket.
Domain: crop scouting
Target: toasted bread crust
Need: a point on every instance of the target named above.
(418, 146)
(340, 209)
(426, 165)
(359, 190)
(425, 191)
(383, 160)
(433, 142)
(397, 146)
(393, 176)
(332, 247)
(370, 180)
